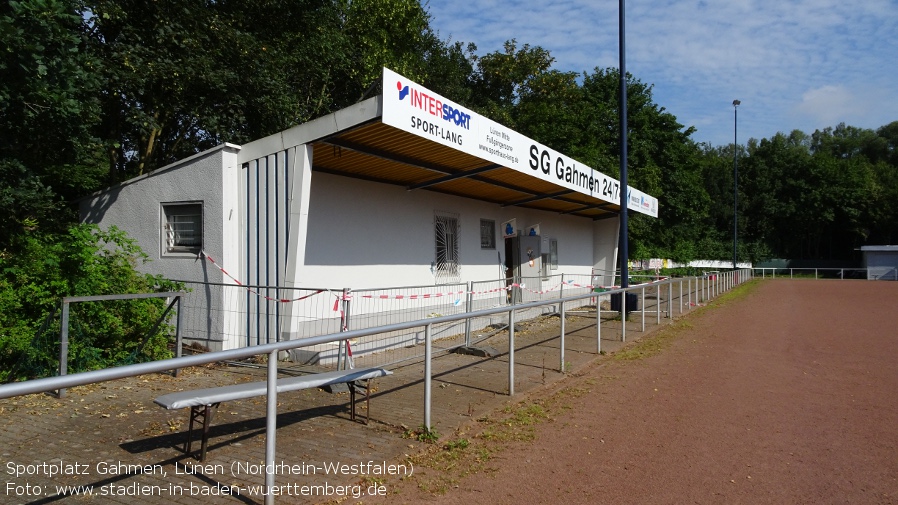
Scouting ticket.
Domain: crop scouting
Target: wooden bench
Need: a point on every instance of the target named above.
(203, 401)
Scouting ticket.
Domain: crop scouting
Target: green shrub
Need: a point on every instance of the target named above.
(41, 269)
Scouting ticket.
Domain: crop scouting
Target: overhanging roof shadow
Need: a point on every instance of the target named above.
(380, 153)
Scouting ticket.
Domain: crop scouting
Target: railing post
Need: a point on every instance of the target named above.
(657, 304)
(428, 356)
(623, 315)
(669, 299)
(642, 311)
(681, 296)
(469, 304)
(598, 326)
(342, 354)
(63, 345)
(511, 352)
(271, 426)
(561, 354)
(178, 339)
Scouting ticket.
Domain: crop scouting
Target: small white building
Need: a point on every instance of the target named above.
(404, 189)
(881, 262)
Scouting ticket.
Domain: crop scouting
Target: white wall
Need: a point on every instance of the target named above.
(881, 265)
(136, 205)
(364, 235)
(355, 234)
(606, 232)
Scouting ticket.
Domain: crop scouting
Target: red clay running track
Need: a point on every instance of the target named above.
(786, 396)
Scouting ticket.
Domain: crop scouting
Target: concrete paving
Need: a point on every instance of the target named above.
(111, 444)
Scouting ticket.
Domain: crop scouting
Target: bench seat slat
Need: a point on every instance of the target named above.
(210, 396)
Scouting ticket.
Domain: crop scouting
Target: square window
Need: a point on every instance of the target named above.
(182, 228)
(487, 234)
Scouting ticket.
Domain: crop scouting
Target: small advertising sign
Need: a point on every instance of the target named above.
(509, 228)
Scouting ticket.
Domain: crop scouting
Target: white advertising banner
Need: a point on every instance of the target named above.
(417, 110)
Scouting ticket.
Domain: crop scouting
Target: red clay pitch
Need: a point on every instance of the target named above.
(786, 395)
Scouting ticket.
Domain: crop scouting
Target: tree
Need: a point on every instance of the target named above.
(385, 33)
(502, 78)
(47, 107)
(662, 161)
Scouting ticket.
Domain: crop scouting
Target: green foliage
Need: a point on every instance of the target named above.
(85, 261)
(95, 92)
(423, 434)
(47, 106)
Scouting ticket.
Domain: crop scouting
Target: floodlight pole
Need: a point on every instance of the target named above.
(624, 193)
(735, 181)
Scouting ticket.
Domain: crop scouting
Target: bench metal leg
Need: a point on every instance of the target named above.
(352, 393)
(197, 412)
(368, 400)
(352, 387)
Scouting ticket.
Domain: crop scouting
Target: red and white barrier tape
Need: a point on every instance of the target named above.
(253, 291)
(410, 297)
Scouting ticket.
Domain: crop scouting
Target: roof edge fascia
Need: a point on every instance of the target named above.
(315, 129)
(227, 146)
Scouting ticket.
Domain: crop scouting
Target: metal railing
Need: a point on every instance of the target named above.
(704, 288)
(175, 298)
(816, 273)
(239, 315)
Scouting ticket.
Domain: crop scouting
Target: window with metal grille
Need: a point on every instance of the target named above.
(553, 254)
(447, 268)
(487, 234)
(182, 227)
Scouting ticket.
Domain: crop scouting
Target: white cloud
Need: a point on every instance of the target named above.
(828, 105)
(833, 104)
(800, 64)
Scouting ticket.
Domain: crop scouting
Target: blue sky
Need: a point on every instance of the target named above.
(802, 64)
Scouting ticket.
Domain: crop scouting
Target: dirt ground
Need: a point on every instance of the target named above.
(785, 393)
